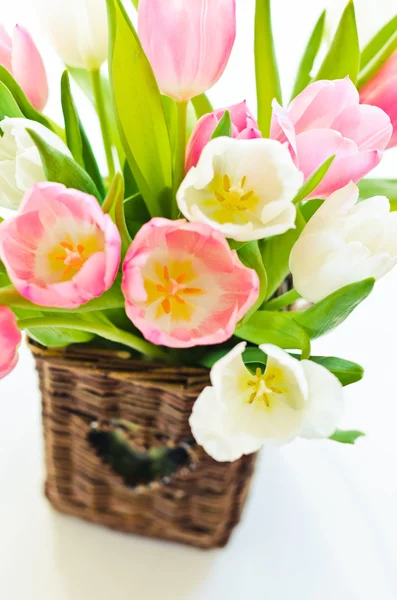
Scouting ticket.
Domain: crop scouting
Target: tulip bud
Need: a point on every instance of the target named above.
(344, 242)
(21, 58)
(20, 164)
(244, 127)
(187, 43)
(381, 91)
(78, 30)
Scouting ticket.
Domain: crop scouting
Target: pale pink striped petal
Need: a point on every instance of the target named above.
(28, 68)
(188, 44)
(315, 146)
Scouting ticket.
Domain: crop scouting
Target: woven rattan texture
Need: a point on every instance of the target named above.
(81, 385)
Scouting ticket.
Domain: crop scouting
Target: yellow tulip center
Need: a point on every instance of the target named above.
(66, 258)
(173, 289)
(234, 197)
(263, 388)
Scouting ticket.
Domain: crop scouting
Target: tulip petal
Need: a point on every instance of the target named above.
(368, 126)
(188, 45)
(325, 405)
(5, 49)
(10, 339)
(315, 146)
(78, 30)
(209, 430)
(28, 68)
(321, 102)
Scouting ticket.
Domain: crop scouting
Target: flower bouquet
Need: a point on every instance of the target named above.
(171, 302)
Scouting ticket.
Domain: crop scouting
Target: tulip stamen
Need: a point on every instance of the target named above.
(247, 196)
(234, 197)
(171, 288)
(73, 257)
(227, 184)
(262, 391)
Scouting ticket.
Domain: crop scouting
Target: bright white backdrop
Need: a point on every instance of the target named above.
(321, 520)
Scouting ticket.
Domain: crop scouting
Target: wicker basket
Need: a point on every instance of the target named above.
(200, 505)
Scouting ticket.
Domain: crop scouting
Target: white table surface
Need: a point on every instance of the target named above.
(321, 521)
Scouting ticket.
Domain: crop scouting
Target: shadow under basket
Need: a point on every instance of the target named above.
(86, 391)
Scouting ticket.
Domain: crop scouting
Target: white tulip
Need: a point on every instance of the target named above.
(20, 163)
(344, 242)
(241, 412)
(243, 188)
(370, 15)
(78, 30)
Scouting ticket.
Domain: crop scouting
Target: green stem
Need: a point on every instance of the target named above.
(10, 296)
(119, 217)
(109, 300)
(101, 110)
(180, 151)
(282, 301)
(109, 333)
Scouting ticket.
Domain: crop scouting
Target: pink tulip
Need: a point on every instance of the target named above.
(244, 127)
(10, 338)
(183, 285)
(60, 249)
(21, 58)
(327, 119)
(187, 43)
(381, 91)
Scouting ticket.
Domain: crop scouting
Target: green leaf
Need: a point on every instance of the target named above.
(115, 200)
(346, 371)
(60, 168)
(343, 58)
(333, 310)
(52, 337)
(135, 3)
(130, 184)
(224, 127)
(346, 437)
(314, 180)
(267, 76)
(83, 80)
(24, 105)
(379, 187)
(141, 119)
(90, 163)
(136, 214)
(378, 42)
(202, 105)
(275, 255)
(275, 328)
(377, 62)
(251, 257)
(8, 106)
(309, 208)
(303, 77)
(72, 129)
(76, 137)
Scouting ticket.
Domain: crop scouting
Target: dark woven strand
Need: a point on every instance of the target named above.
(80, 385)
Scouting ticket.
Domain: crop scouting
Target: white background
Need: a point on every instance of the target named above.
(321, 522)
